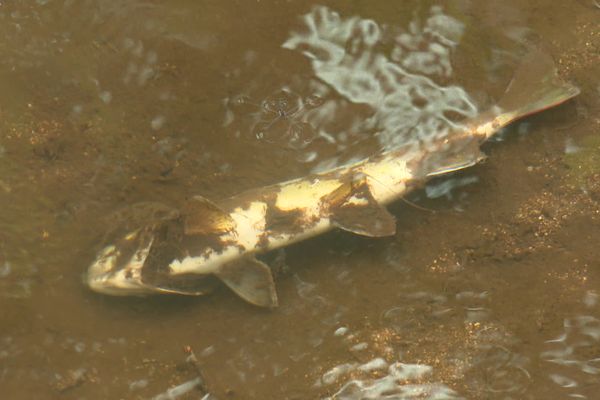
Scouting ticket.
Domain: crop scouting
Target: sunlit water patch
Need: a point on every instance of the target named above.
(430, 346)
(357, 61)
(399, 382)
(372, 83)
(575, 354)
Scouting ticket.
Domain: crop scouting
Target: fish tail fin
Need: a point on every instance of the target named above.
(534, 87)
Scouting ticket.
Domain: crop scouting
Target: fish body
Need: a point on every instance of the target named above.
(222, 238)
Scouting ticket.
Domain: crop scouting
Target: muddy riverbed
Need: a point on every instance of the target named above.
(489, 290)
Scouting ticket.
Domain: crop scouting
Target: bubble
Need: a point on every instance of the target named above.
(359, 346)
(242, 105)
(128, 43)
(5, 269)
(281, 103)
(563, 381)
(300, 135)
(151, 57)
(79, 347)
(144, 75)
(210, 350)
(334, 373)
(138, 384)
(445, 187)
(571, 147)
(590, 299)
(307, 157)
(313, 101)
(138, 49)
(341, 331)
(106, 97)
(179, 390)
(157, 122)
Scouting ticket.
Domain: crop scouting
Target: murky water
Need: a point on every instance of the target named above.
(489, 290)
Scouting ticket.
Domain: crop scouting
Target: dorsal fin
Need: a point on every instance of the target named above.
(202, 216)
(353, 208)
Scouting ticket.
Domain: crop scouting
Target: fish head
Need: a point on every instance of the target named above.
(134, 261)
(118, 267)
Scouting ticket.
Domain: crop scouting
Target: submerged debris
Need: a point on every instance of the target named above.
(73, 379)
(197, 383)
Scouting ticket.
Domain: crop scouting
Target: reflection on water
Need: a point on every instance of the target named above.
(444, 188)
(371, 81)
(377, 378)
(400, 382)
(281, 117)
(389, 69)
(576, 352)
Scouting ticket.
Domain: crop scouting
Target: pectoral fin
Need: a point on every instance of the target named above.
(353, 208)
(251, 280)
(202, 216)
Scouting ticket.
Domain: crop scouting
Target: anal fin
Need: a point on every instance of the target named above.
(463, 152)
(456, 164)
(250, 279)
(353, 208)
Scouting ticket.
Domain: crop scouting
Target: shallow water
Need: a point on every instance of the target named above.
(489, 290)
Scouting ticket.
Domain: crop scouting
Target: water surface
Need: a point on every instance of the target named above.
(489, 290)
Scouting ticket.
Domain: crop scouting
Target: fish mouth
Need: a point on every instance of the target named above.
(118, 269)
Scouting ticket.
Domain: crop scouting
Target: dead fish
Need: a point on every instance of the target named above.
(181, 252)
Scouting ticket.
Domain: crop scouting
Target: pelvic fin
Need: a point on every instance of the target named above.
(250, 279)
(353, 208)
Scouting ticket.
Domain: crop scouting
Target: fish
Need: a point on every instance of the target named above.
(187, 251)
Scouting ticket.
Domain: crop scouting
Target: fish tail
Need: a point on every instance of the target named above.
(534, 87)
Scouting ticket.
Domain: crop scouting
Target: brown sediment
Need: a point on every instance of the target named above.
(518, 244)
